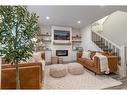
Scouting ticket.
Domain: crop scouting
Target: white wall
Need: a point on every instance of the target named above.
(76, 31)
(115, 28)
(45, 28)
(87, 43)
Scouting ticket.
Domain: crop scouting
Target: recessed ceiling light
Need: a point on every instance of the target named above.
(47, 17)
(78, 21)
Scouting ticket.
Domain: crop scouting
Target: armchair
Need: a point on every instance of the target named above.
(31, 76)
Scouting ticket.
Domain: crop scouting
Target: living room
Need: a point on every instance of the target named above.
(70, 35)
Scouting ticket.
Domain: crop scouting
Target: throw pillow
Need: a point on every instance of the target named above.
(86, 54)
(92, 53)
(31, 60)
(96, 54)
(37, 56)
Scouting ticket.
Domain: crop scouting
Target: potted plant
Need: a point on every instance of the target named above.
(17, 28)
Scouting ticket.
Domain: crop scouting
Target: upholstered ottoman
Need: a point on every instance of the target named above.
(58, 70)
(75, 68)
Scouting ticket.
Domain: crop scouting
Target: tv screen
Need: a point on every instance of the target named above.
(61, 35)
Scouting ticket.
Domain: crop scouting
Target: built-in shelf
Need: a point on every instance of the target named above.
(74, 50)
(44, 35)
(77, 48)
(76, 37)
(62, 43)
(77, 41)
(46, 40)
(47, 50)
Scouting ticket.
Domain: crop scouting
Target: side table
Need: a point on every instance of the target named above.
(60, 60)
(54, 60)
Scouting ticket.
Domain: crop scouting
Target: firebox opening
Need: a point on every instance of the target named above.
(61, 52)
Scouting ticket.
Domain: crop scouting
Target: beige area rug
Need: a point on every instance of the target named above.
(84, 81)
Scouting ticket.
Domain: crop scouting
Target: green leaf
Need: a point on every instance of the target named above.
(17, 28)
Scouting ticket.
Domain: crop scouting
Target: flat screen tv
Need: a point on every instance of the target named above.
(61, 35)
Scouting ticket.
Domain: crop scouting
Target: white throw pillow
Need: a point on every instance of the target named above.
(98, 54)
(31, 60)
(37, 56)
(86, 54)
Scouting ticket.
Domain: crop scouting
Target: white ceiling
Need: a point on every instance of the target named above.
(69, 15)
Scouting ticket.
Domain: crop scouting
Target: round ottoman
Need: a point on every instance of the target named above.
(58, 70)
(75, 68)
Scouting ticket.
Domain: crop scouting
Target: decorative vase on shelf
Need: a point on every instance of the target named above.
(74, 48)
(80, 49)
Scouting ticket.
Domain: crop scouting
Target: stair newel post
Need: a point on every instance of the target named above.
(123, 61)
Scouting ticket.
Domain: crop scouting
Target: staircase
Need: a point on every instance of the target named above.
(105, 45)
(109, 46)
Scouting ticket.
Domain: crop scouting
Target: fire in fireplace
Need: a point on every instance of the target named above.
(61, 52)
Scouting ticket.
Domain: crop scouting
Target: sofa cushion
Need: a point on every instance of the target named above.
(107, 53)
(90, 62)
(37, 56)
(86, 54)
(92, 53)
(81, 59)
(86, 61)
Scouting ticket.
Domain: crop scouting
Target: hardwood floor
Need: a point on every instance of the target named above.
(123, 86)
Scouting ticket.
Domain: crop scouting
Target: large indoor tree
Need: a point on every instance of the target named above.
(17, 28)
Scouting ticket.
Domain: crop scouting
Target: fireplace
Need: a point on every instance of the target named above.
(61, 52)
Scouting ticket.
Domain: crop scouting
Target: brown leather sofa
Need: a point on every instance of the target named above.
(30, 74)
(94, 64)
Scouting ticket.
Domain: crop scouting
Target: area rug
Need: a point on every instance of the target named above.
(87, 80)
